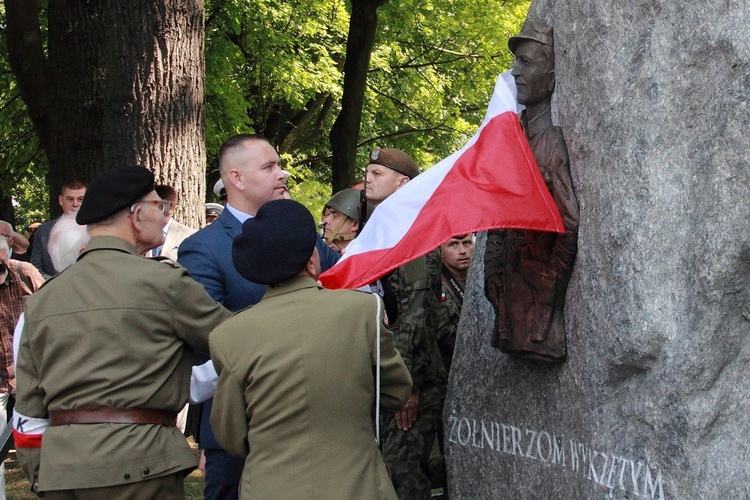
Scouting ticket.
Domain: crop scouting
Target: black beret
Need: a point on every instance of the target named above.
(114, 190)
(395, 159)
(276, 244)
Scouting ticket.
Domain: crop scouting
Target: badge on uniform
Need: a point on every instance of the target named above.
(374, 154)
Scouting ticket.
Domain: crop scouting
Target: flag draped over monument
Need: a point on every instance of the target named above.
(492, 182)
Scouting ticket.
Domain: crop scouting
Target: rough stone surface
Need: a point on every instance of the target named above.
(653, 401)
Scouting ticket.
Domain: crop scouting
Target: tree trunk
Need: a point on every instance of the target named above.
(127, 89)
(345, 132)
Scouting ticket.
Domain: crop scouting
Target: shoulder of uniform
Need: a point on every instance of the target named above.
(165, 260)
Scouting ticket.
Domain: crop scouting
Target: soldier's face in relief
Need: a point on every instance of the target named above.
(70, 200)
(533, 73)
(381, 182)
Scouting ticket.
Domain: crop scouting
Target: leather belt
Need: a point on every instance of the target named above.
(112, 416)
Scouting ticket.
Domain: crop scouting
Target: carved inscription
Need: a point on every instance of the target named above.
(606, 469)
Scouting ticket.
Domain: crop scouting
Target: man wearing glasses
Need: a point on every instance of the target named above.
(105, 355)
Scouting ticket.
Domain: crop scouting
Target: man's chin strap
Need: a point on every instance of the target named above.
(334, 235)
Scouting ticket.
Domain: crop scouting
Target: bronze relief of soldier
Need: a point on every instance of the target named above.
(527, 272)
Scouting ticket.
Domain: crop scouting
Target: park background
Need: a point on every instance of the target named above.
(89, 86)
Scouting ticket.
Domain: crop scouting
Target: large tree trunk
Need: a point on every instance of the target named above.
(126, 87)
(345, 132)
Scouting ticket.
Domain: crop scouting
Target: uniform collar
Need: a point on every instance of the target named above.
(294, 284)
(107, 243)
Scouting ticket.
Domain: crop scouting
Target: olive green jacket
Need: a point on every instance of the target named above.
(115, 329)
(296, 392)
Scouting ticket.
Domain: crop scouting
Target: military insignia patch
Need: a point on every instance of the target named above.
(374, 154)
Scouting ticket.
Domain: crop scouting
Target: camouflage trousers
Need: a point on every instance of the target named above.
(407, 453)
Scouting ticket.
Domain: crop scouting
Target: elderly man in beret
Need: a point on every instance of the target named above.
(105, 356)
(295, 396)
(408, 435)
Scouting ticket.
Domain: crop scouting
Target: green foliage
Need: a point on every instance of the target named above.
(274, 67)
(433, 70)
(22, 162)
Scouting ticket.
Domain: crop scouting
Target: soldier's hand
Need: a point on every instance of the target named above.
(406, 416)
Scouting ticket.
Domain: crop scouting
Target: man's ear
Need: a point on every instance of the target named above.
(236, 179)
(60, 200)
(404, 179)
(551, 83)
(135, 217)
(310, 266)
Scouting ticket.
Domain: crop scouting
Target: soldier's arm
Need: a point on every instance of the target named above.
(566, 245)
(194, 312)
(29, 418)
(395, 381)
(228, 420)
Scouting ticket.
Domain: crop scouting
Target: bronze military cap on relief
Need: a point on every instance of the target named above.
(533, 29)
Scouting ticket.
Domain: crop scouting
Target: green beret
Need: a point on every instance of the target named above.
(114, 190)
(276, 244)
(395, 159)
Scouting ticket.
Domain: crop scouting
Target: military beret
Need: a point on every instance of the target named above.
(114, 190)
(533, 29)
(395, 159)
(276, 244)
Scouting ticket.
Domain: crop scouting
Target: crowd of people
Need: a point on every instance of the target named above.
(310, 392)
(300, 391)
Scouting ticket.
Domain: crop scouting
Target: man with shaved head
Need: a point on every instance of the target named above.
(251, 172)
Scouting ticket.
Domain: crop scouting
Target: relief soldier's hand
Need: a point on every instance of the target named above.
(406, 416)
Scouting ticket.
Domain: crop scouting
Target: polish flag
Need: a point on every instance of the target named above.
(492, 182)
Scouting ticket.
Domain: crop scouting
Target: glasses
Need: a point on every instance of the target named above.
(163, 205)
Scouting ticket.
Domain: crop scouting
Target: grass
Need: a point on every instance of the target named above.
(17, 487)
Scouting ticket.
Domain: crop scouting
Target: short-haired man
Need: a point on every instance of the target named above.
(105, 356)
(251, 172)
(70, 201)
(456, 256)
(174, 232)
(409, 435)
(310, 390)
(341, 218)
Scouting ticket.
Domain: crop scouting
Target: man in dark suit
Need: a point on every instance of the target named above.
(252, 175)
(70, 200)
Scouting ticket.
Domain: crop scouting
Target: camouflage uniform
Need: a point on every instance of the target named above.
(416, 287)
(451, 301)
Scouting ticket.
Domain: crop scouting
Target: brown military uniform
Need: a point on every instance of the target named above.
(113, 330)
(527, 272)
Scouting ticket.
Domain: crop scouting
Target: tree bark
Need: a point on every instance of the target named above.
(344, 135)
(128, 89)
